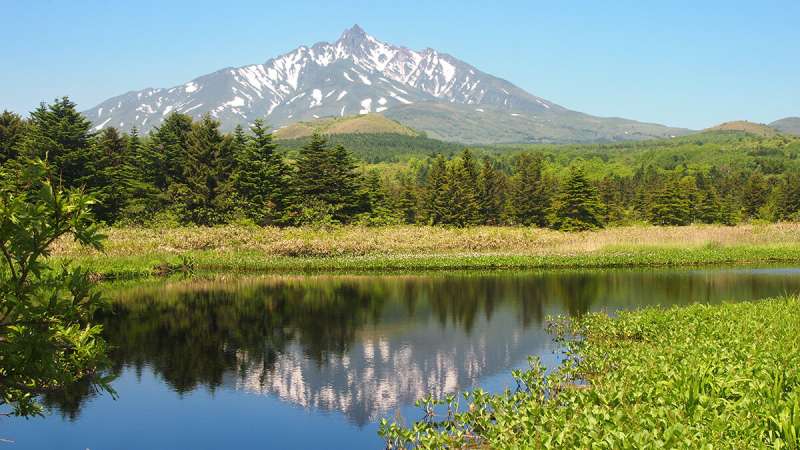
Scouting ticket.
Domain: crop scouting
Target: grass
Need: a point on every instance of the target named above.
(723, 376)
(363, 124)
(136, 252)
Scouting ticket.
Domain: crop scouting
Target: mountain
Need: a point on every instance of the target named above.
(748, 127)
(358, 74)
(789, 125)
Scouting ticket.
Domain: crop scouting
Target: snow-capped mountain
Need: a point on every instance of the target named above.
(357, 74)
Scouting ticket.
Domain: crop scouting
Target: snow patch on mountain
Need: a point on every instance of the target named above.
(359, 71)
(366, 106)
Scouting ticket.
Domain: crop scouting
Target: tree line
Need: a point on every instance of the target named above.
(189, 172)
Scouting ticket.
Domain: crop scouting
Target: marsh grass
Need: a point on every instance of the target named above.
(722, 376)
(133, 252)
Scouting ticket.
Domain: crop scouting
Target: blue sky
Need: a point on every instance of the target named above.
(681, 63)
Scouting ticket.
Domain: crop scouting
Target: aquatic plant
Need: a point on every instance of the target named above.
(724, 376)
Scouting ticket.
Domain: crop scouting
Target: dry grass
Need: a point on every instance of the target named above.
(429, 241)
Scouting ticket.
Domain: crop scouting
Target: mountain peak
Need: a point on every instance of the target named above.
(359, 74)
(354, 33)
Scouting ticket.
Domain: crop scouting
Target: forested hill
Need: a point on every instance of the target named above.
(380, 147)
(771, 154)
(189, 171)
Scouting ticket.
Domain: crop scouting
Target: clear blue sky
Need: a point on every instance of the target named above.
(681, 63)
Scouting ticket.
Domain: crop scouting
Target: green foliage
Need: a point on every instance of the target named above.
(458, 200)
(167, 150)
(721, 376)
(59, 134)
(529, 198)
(492, 188)
(577, 206)
(196, 173)
(204, 196)
(327, 176)
(261, 179)
(670, 206)
(384, 147)
(11, 134)
(46, 339)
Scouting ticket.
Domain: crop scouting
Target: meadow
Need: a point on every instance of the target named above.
(140, 252)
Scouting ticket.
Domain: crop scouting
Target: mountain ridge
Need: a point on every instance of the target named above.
(790, 125)
(359, 74)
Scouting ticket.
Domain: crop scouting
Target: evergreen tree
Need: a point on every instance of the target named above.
(577, 206)
(529, 199)
(261, 177)
(491, 193)
(168, 149)
(754, 195)
(145, 199)
(326, 178)
(790, 198)
(687, 186)
(406, 203)
(709, 207)
(434, 202)
(108, 174)
(12, 130)
(670, 206)
(59, 134)
(202, 197)
(348, 196)
(612, 196)
(461, 206)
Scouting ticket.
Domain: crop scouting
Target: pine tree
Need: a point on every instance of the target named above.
(687, 186)
(434, 201)
(754, 195)
(326, 179)
(461, 206)
(59, 134)
(108, 174)
(491, 193)
(168, 149)
(406, 202)
(790, 198)
(12, 130)
(670, 206)
(313, 167)
(202, 197)
(145, 199)
(528, 199)
(709, 206)
(261, 178)
(612, 196)
(348, 197)
(577, 206)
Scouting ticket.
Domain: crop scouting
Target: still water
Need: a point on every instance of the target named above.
(312, 362)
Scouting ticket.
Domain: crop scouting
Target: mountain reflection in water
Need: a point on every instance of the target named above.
(367, 345)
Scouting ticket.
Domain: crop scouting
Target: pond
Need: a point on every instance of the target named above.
(311, 362)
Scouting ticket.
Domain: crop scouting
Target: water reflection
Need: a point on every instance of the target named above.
(365, 345)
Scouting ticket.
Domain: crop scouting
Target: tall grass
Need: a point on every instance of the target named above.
(137, 250)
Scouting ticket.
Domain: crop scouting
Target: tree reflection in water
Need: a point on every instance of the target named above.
(364, 345)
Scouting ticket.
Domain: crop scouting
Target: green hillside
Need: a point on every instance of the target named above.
(363, 124)
(747, 127)
(483, 125)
